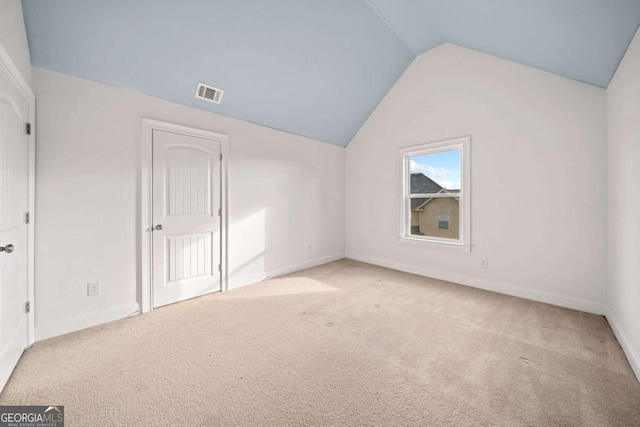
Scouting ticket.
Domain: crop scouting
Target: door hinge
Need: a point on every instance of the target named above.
(220, 157)
(219, 212)
(219, 267)
(28, 128)
(27, 218)
(27, 307)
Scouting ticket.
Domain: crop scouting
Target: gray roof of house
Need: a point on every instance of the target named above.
(420, 183)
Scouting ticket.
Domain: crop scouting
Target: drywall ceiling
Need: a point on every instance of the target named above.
(315, 68)
(580, 39)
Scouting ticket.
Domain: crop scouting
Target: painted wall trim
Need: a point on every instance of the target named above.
(14, 74)
(9, 68)
(11, 354)
(86, 320)
(489, 285)
(632, 354)
(239, 282)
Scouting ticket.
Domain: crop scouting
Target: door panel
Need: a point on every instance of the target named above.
(14, 176)
(186, 200)
(188, 174)
(190, 256)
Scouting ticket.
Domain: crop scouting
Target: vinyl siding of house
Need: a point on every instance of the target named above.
(427, 218)
(415, 219)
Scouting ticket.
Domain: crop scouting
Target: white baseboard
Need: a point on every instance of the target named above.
(632, 355)
(306, 264)
(489, 285)
(86, 320)
(238, 282)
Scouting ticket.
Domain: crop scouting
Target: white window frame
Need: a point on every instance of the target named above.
(463, 244)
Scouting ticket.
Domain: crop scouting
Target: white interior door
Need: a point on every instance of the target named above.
(186, 217)
(14, 178)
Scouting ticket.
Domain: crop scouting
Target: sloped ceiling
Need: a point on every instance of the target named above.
(580, 39)
(316, 68)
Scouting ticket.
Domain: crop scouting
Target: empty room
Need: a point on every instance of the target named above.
(319, 213)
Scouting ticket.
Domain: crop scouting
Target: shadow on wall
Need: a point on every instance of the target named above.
(275, 218)
(275, 212)
(250, 253)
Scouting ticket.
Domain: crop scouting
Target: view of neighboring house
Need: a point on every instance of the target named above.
(435, 217)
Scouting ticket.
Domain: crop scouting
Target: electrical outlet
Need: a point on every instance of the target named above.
(484, 263)
(93, 289)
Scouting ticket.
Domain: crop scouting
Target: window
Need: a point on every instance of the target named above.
(443, 220)
(435, 209)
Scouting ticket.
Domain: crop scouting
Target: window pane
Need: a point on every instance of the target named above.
(443, 220)
(435, 173)
(433, 194)
(437, 217)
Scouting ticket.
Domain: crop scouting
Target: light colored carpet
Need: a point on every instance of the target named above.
(341, 344)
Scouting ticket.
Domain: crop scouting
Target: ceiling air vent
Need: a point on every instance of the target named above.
(209, 93)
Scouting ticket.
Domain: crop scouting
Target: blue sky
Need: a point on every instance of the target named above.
(443, 168)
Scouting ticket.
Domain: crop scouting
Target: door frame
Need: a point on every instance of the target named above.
(146, 203)
(10, 70)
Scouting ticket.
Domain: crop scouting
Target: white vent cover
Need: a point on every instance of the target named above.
(209, 93)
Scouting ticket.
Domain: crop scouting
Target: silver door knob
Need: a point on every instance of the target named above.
(8, 249)
(159, 227)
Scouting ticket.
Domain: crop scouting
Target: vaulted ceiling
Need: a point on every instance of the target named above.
(316, 68)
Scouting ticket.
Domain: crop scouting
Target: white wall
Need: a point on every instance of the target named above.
(538, 176)
(286, 207)
(13, 36)
(623, 289)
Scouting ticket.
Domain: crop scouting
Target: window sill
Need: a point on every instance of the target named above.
(435, 244)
